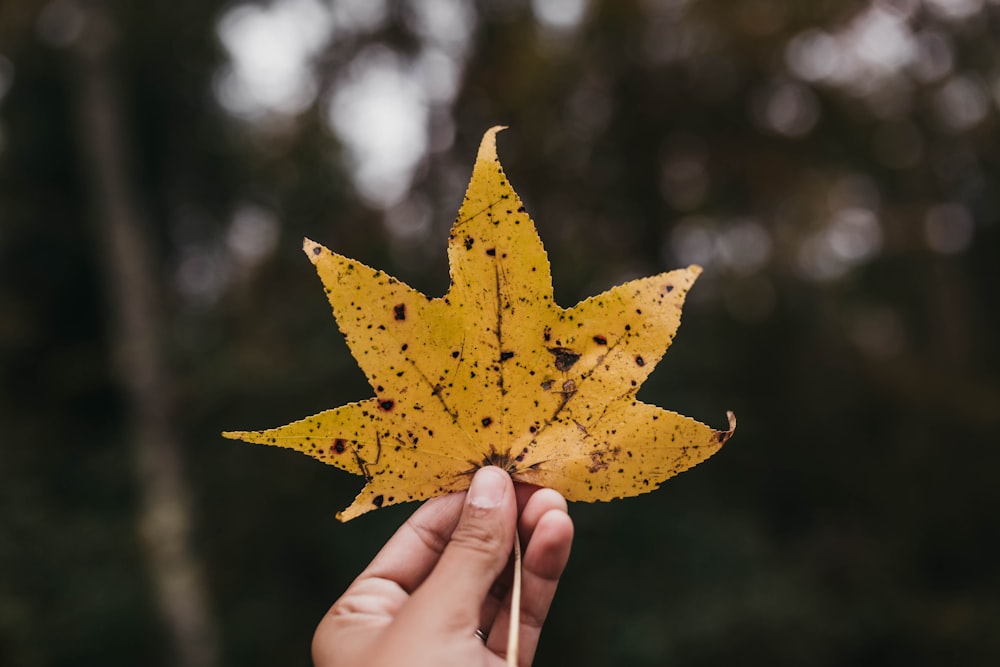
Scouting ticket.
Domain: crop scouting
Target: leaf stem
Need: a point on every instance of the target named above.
(514, 630)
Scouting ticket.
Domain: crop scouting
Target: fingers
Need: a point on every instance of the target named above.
(453, 549)
(537, 505)
(530, 510)
(548, 531)
(479, 548)
(544, 562)
(375, 597)
(413, 551)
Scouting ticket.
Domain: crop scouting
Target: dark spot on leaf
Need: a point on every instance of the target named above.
(600, 340)
(597, 462)
(639, 361)
(377, 501)
(547, 334)
(487, 421)
(387, 405)
(400, 311)
(564, 358)
(669, 288)
(492, 252)
(532, 428)
(468, 242)
(504, 356)
(338, 446)
(547, 384)
(403, 348)
(454, 355)
(317, 250)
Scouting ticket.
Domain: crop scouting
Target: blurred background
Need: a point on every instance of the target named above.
(832, 164)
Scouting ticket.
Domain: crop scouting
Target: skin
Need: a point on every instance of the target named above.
(446, 573)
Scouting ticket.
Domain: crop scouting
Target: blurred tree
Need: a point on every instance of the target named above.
(134, 299)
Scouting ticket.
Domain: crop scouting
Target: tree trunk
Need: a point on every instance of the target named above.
(134, 310)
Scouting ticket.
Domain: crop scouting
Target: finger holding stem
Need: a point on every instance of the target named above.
(546, 532)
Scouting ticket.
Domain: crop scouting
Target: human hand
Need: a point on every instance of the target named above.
(445, 574)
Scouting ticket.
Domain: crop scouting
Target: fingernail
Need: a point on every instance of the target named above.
(487, 488)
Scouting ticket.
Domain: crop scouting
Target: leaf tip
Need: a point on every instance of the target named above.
(724, 436)
(488, 146)
(310, 247)
(352, 512)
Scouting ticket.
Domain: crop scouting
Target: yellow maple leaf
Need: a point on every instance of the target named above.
(495, 373)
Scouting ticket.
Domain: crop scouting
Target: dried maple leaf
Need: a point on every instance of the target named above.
(495, 373)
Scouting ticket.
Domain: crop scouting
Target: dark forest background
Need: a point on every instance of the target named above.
(832, 164)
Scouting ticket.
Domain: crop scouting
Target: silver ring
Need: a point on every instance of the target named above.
(481, 635)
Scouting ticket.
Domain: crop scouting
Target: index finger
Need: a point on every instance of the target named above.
(414, 549)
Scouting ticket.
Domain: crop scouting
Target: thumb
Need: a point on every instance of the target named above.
(477, 553)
